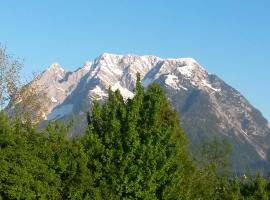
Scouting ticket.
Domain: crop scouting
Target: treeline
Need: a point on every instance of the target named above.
(132, 149)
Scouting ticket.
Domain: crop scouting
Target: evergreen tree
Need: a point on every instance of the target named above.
(23, 173)
(136, 148)
(41, 165)
(132, 149)
(260, 192)
(68, 159)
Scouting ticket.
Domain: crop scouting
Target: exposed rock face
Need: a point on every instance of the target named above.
(208, 106)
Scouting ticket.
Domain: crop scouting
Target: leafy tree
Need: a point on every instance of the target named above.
(41, 165)
(211, 177)
(214, 153)
(9, 76)
(24, 174)
(260, 192)
(136, 148)
(132, 149)
(69, 161)
(30, 102)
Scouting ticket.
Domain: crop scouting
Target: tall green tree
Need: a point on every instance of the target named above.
(136, 148)
(260, 192)
(24, 172)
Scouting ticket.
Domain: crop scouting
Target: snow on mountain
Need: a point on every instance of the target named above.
(208, 106)
(173, 81)
(117, 72)
(54, 100)
(98, 93)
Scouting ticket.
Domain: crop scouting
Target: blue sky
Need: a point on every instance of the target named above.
(229, 38)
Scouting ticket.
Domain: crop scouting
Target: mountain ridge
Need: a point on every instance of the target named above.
(208, 107)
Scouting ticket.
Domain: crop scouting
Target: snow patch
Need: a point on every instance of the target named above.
(127, 94)
(184, 88)
(55, 67)
(186, 71)
(118, 71)
(59, 76)
(87, 65)
(183, 60)
(62, 90)
(244, 132)
(259, 150)
(99, 93)
(60, 112)
(150, 58)
(206, 84)
(173, 82)
(54, 100)
(61, 69)
(111, 70)
(44, 116)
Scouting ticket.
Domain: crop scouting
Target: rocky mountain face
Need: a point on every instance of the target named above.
(208, 107)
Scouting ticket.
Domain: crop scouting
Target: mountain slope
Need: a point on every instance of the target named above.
(207, 105)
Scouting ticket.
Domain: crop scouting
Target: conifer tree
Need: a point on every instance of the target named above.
(24, 173)
(260, 188)
(136, 148)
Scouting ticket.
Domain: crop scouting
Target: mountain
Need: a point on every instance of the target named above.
(208, 107)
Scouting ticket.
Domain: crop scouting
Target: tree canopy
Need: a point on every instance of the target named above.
(131, 149)
(9, 76)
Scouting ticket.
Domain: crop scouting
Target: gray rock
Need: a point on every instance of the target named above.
(208, 107)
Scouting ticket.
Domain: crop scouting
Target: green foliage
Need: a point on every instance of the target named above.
(136, 148)
(132, 149)
(215, 153)
(40, 165)
(25, 173)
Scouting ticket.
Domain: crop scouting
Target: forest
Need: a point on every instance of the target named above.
(131, 149)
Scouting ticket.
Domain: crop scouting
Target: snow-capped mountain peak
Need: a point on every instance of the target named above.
(207, 105)
(55, 67)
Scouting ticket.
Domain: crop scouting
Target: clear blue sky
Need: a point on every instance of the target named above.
(230, 38)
